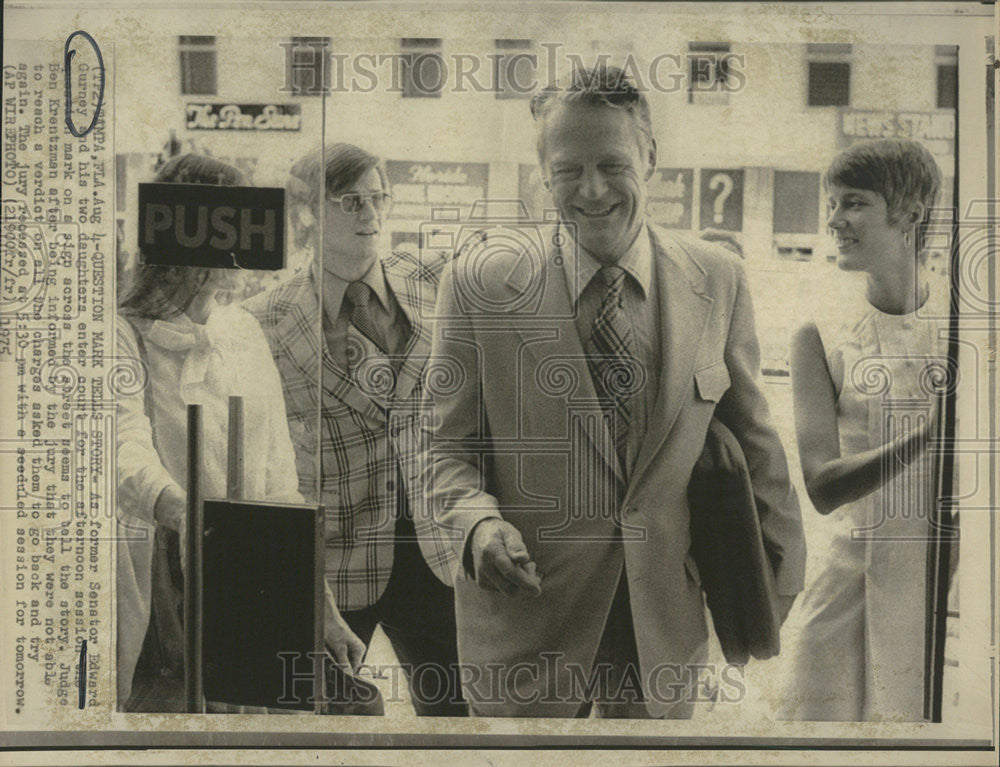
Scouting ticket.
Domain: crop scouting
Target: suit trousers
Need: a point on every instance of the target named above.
(619, 696)
(417, 613)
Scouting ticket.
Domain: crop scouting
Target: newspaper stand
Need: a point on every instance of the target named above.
(249, 571)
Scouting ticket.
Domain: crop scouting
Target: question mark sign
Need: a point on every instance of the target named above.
(726, 183)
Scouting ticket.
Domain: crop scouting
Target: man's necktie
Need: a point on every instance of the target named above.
(359, 294)
(613, 366)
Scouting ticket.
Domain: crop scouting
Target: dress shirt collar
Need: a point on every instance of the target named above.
(334, 288)
(637, 261)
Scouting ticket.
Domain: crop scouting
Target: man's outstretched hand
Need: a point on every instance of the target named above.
(501, 561)
(343, 645)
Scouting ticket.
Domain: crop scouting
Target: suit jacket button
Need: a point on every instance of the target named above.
(390, 485)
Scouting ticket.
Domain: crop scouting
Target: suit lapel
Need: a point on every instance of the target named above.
(295, 329)
(302, 342)
(684, 313)
(554, 341)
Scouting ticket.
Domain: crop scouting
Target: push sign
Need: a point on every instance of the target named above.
(227, 227)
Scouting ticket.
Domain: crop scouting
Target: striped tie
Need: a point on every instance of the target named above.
(358, 293)
(613, 366)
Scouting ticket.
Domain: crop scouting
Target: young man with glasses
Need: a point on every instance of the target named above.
(354, 324)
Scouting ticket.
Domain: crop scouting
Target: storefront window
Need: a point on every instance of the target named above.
(307, 66)
(197, 56)
(946, 57)
(708, 73)
(424, 71)
(829, 74)
(796, 202)
(515, 69)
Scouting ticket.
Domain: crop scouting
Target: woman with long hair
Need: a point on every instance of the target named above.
(195, 348)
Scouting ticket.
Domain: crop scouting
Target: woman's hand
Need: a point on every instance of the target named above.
(343, 644)
(171, 509)
(908, 447)
(171, 512)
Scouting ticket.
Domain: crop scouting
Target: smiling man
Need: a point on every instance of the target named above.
(384, 564)
(592, 372)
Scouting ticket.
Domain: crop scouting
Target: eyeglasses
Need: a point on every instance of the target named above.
(352, 202)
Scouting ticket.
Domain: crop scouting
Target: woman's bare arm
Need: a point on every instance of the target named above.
(831, 479)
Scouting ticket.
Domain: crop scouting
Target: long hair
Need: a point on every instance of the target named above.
(162, 292)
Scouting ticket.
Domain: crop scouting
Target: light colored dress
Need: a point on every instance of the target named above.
(864, 619)
(190, 364)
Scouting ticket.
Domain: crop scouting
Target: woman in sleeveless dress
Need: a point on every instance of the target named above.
(863, 387)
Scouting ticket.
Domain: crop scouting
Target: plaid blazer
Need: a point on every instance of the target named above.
(372, 431)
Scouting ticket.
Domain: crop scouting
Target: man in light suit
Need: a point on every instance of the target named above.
(592, 368)
(385, 565)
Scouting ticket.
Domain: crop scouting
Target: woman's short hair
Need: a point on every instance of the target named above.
(901, 170)
(605, 86)
(335, 169)
(160, 292)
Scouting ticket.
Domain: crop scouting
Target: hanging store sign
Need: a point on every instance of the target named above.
(418, 188)
(252, 117)
(935, 130)
(669, 199)
(721, 199)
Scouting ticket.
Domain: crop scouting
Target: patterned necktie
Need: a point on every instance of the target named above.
(614, 368)
(359, 294)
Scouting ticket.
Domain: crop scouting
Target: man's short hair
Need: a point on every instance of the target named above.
(605, 86)
(901, 170)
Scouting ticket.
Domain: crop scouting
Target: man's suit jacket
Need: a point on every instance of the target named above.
(372, 433)
(523, 438)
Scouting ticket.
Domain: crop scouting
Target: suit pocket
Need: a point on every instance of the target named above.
(712, 381)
